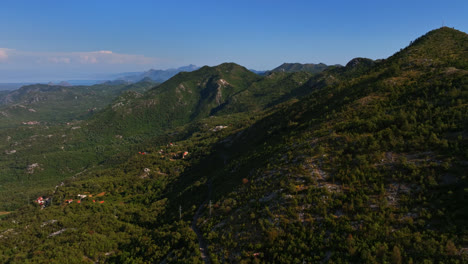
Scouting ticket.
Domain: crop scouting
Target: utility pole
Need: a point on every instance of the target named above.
(210, 207)
(180, 212)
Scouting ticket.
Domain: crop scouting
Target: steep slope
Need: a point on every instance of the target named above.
(426, 51)
(184, 98)
(354, 173)
(331, 76)
(188, 96)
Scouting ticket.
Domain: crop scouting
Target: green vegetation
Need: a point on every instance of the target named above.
(358, 164)
(56, 139)
(298, 67)
(52, 104)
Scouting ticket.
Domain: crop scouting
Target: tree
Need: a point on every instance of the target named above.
(396, 255)
(450, 248)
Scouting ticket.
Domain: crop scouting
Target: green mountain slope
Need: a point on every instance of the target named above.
(41, 127)
(368, 167)
(353, 170)
(225, 89)
(51, 103)
(298, 67)
(130, 122)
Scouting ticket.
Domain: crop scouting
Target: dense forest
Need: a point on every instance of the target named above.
(363, 163)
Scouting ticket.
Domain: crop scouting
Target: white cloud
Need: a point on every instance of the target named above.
(101, 57)
(59, 60)
(104, 51)
(20, 65)
(3, 54)
(85, 59)
(109, 57)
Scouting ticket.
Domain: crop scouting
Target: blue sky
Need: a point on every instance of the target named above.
(58, 40)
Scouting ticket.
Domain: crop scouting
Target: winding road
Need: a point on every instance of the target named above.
(201, 240)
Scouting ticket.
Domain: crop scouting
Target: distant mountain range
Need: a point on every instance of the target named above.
(164, 75)
(155, 75)
(160, 76)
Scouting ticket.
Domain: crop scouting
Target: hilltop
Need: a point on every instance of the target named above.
(298, 67)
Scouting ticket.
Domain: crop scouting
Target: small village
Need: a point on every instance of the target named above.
(43, 202)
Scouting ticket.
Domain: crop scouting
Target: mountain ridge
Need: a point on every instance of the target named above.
(299, 67)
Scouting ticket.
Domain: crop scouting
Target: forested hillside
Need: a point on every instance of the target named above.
(54, 103)
(298, 67)
(43, 139)
(358, 164)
